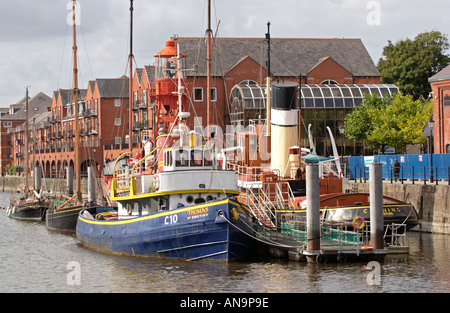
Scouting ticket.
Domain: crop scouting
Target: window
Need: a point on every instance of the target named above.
(198, 130)
(198, 94)
(329, 82)
(7, 124)
(181, 158)
(248, 82)
(196, 157)
(213, 94)
(117, 121)
(207, 157)
(447, 100)
(168, 158)
(117, 102)
(118, 140)
(144, 97)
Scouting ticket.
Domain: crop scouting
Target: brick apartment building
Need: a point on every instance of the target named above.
(104, 106)
(440, 86)
(12, 146)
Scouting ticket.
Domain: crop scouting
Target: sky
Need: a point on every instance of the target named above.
(36, 38)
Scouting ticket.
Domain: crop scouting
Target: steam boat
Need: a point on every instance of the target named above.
(271, 171)
(271, 166)
(174, 200)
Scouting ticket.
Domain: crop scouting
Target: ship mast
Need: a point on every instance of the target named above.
(75, 104)
(208, 67)
(130, 60)
(26, 145)
(268, 81)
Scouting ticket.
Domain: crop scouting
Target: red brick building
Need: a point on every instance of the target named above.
(104, 106)
(318, 61)
(440, 86)
(12, 128)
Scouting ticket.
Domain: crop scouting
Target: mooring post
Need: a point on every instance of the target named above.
(37, 178)
(313, 208)
(376, 205)
(69, 172)
(91, 184)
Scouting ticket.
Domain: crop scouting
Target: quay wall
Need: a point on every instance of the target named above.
(51, 185)
(432, 202)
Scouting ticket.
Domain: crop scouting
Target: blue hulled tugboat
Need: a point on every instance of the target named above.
(174, 201)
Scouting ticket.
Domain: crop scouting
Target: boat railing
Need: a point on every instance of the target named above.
(122, 179)
(339, 234)
(252, 173)
(395, 234)
(138, 166)
(285, 195)
(261, 205)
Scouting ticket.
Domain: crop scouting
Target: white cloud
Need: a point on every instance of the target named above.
(33, 33)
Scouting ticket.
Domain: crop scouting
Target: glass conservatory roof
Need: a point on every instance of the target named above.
(249, 95)
(341, 96)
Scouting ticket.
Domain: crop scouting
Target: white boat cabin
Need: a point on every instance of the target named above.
(189, 176)
(182, 159)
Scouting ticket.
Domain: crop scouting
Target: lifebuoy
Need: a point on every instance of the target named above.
(156, 183)
(363, 222)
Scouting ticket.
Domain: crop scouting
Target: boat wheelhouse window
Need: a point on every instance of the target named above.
(181, 158)
(207, 157)
(196, 157)
(168, 161)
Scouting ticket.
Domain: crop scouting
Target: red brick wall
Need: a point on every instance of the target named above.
(329, 69)
(441, 116)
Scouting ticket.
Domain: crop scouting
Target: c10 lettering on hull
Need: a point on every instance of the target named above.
(171, 219)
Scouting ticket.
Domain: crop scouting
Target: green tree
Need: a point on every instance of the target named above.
(409, 63)
(393, 121)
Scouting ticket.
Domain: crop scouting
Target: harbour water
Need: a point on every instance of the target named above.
(33, 259)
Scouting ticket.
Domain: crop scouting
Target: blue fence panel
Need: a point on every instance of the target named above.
(413, 166)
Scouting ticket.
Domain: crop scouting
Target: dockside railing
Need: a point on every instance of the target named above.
(411, 174)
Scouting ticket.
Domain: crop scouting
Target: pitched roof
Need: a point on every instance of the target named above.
(113, 87)
(289, 57)
(38, 104)
(442, 75)
(150, 71)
